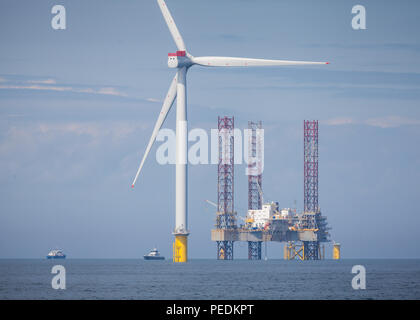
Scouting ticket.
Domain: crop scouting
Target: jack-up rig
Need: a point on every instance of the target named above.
(304, 233)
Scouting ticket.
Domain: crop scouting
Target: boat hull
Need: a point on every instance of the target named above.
(153, 258)
(56, 257)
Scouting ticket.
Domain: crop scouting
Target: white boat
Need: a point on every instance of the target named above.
(153, 255)
(56, 254)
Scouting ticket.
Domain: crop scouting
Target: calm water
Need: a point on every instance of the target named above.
(210, 279)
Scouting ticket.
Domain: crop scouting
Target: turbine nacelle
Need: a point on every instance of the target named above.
(178, 59)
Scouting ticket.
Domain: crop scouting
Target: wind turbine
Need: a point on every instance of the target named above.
(182, 60)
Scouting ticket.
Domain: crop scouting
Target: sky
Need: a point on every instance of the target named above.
(77, 107)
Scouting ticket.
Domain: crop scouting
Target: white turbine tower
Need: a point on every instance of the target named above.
(182, 61)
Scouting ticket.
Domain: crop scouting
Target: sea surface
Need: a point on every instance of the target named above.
(209, 279)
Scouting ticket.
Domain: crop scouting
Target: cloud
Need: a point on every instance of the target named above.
(338, 121)
(153, 100)
(100, 91)
(114, 130)
(46, 81)
(381, 122)
(71, 150)
(392, 122)
(51, 84)
(38, 133)
(110, 91)
(369, 46)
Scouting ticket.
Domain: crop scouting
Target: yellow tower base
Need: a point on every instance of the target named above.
(286, 251)
(180, 248)
(336, 251)
(294, 250)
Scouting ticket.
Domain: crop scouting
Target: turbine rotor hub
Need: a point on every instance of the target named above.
(179, 59)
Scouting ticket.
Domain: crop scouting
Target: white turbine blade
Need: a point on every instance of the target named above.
(167, 104)
(247, 62)
(212, 203)
(171, 25)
